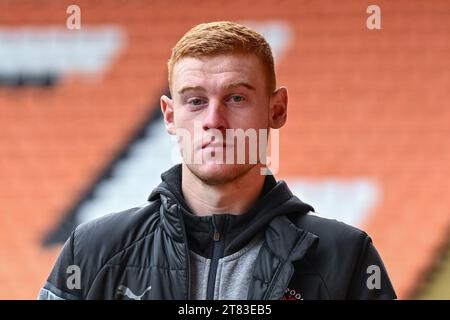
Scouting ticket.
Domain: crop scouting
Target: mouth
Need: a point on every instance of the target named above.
(213, 145)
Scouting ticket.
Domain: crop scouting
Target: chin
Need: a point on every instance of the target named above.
(214, 174)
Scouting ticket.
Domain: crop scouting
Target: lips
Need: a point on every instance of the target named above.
(214, 145)
(211, 143)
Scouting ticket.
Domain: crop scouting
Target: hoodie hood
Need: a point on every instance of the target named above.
(274, 200)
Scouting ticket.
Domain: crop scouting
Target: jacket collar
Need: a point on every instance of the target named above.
(287, 241)
(283, 237)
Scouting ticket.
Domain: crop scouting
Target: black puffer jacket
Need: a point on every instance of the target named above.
(303, 256)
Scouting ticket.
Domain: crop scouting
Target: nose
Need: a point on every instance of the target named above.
(215, 117)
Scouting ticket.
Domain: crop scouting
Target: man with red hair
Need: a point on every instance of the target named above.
(218, 228)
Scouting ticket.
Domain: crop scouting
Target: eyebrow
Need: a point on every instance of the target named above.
(183, 90)
(240, 84)
(228, 86)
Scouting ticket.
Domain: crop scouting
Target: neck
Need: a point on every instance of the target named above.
(234, 197)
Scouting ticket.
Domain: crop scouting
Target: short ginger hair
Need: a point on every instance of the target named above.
(224, 37)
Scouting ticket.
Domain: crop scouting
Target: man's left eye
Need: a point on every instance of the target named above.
(236, 98)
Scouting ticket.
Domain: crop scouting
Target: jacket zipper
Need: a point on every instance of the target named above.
(218, 249)
(188, 258)
(273, 282)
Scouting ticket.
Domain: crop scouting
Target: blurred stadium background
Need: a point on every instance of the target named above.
(367, 140)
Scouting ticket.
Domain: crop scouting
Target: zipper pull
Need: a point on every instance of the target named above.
(216, 236)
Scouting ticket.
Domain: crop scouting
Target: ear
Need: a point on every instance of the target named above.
(278, 108)
(167, 110)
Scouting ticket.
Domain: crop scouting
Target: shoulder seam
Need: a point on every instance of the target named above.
(359, 260)
(113, 255)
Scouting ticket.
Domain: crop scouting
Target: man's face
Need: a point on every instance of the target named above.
(213, 94)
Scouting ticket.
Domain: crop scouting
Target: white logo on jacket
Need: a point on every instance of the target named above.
(125, 291)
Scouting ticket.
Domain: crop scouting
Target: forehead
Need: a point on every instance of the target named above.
(218, 70)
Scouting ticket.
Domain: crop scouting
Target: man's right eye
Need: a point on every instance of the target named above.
(196, 102)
